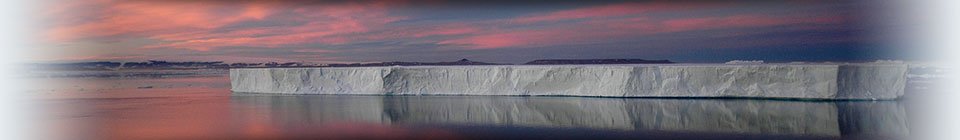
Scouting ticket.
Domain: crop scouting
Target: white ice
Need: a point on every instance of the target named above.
(804, 81)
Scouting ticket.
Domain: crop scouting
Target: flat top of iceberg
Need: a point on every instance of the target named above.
(610, 65)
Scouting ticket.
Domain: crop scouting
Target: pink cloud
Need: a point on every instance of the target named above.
(194, 25)
(327, 24)
(610, 10)
(456, 29)
(600, 30)
(619, 21)
(143, 18)
(314, 51)
(741, 21)
(605, 22)
(529, 38)
(496, 40)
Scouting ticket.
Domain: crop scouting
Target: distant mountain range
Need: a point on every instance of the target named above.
(595, 61)
(461, 62)
(155, 64)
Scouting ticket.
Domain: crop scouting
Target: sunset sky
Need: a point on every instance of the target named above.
(373, 31)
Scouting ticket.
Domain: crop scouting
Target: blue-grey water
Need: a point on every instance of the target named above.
(199, 105)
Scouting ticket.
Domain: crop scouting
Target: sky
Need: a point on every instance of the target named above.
(433, 31)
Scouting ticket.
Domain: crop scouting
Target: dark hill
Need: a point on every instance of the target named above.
(595, 61)
(454, 63)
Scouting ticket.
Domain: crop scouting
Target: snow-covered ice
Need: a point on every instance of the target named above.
(805, 81)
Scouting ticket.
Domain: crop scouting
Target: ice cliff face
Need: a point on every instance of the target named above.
(847, 81)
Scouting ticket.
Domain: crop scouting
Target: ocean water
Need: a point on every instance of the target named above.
(199, 105)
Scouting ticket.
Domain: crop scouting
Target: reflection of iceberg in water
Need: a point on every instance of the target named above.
(884, 118)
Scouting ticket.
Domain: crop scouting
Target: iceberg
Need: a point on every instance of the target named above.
(871, 81)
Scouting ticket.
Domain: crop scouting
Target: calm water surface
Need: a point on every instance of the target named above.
(202, 107)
